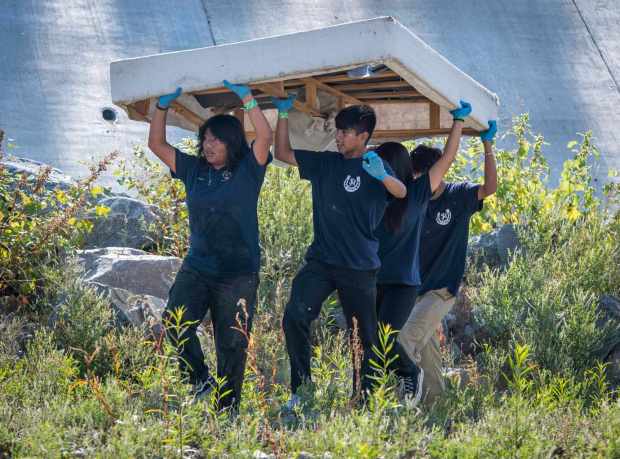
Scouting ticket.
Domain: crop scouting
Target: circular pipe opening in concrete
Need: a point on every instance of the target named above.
(109, 114)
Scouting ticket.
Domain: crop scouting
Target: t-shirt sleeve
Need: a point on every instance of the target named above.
(470, 197)
(309, 163)
(420, 189)
(257, 170)
(183, 164)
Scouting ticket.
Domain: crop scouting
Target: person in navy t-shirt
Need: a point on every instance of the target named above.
(350, 191)
(399, 242)
(220, 271)
(443, 249)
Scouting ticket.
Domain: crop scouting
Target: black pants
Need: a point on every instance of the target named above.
(198, 293)
(312, 285)
(394, 304)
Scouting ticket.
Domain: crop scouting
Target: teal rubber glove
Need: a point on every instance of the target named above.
(462, 112)
(373, 165)
(165, 100)
(489, 134)
(240, 89)
(284, 105)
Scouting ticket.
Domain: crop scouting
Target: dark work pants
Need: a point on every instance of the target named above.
(394, 305)
(312, 285)
(198, 293)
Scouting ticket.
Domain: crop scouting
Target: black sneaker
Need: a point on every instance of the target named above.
(410, 388)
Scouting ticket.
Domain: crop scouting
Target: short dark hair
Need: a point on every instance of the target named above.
(362, 118)
(423, 157)
(397, 156)
(229, 130)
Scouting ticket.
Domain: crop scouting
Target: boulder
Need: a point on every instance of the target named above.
(18, 166)
(130, 223)
(494, 248)
(133, 309)
(130, 269)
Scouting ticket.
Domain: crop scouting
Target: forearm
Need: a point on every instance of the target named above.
(157, 139)
(395, 187)
(157, 129)
(490, 170)
(264, 134)
(282, 148)
(441, 167)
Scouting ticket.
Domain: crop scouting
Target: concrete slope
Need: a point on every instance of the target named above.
(557, 59)
(54, 70)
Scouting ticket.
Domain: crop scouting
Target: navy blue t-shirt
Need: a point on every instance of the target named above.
(443, 248)
(399, 251)
(222, 206)
(347, 207)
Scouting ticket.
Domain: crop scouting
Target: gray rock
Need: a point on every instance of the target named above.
(132, 309)
(260, 455)
(130, 269)
(494, 248)
(130, 223)
(609, 306)
(16, 165)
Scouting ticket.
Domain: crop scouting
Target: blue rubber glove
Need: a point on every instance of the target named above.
(165, 100)
(489, 134)
(373, 165)
(240, 89)
(462, 112)
(284, 105)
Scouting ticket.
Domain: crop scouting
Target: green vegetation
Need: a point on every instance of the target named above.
(77, 386)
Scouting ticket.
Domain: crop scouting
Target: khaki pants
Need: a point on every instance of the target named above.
(419, 339)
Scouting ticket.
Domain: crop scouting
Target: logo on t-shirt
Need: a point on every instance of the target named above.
(443, 218)
(352, 184)
(226, 175)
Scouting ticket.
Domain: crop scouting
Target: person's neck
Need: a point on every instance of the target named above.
(439, 190)
(355, 153)
(217, 167)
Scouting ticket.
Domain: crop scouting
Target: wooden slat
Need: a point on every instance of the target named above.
(142, 106)
(403, 134)
(134, 114)
(311, 96)
(278, 91)
(416, 133)
(375, 85)
(434, 115)
(386, 95)
(333, 91)
(409, 100)
(345, 77)
(186, 113)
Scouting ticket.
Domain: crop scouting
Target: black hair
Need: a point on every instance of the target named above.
(362, 118)
(397, 156)
(423, 157)
(229, 130)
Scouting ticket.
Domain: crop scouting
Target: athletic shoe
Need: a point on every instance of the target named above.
(410, 388)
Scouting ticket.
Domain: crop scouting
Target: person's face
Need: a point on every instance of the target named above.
(349, 141)
(214, 150)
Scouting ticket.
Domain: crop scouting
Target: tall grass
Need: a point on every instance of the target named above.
(536, 387)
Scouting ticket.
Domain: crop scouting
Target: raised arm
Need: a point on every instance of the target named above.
(157, 131)
(373, 165)
(440, 168)
(282, 148)
(490, 171)
(264, 134)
